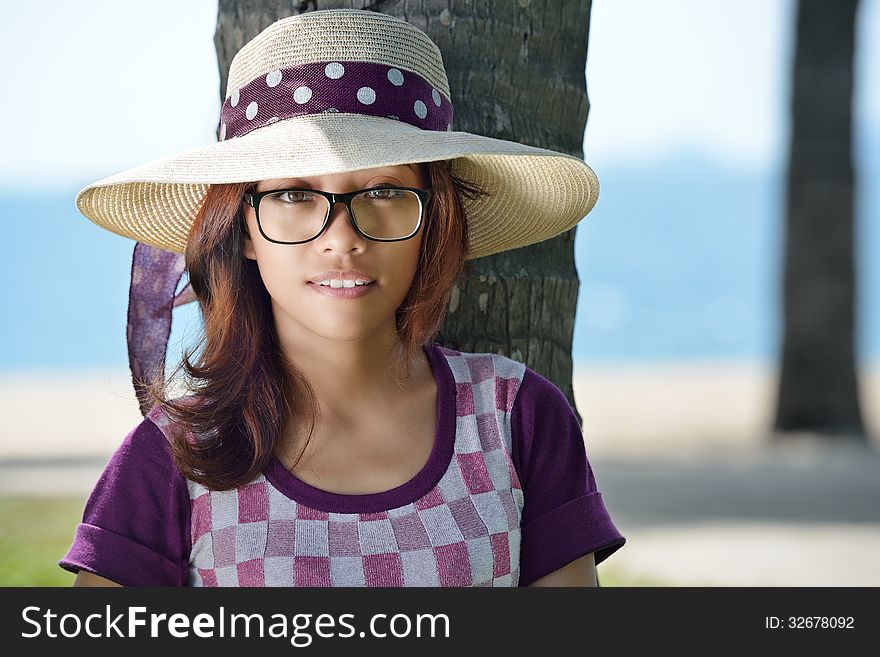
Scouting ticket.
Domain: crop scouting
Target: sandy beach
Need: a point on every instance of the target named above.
(688, 408)
(628, 410)
(680, 452)
(66, 414)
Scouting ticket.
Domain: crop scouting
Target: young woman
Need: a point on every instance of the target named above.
(326, 440)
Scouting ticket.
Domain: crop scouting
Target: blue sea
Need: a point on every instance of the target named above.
(680, 260)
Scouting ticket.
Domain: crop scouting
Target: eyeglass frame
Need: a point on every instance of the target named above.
(253, 200)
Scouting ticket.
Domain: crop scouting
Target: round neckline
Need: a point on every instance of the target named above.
(419, 485)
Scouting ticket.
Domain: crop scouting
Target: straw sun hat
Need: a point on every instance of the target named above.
(334, 91)
(320, 93)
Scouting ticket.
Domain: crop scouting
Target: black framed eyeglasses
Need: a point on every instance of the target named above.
(297, 215)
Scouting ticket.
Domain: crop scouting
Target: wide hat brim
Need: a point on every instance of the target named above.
(533, 193)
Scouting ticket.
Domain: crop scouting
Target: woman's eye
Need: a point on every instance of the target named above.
(384, 193)
(294, 197)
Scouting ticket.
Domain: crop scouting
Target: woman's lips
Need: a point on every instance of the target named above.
(343, 292)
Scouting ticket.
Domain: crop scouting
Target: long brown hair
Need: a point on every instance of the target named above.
(244, 391)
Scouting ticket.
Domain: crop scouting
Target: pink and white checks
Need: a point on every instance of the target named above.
(464, 532)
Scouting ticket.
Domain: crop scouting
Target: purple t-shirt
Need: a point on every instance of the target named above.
(506, 497)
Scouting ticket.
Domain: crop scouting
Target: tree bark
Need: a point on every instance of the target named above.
(818, 385)
(516, 72)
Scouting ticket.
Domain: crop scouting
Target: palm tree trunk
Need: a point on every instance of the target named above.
(818, 389)
(516, 72)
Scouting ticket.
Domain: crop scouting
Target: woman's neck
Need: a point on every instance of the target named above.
(352, 376)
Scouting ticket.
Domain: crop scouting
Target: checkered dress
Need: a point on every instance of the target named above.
(463, 532)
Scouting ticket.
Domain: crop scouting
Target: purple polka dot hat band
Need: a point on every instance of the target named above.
(339, 86)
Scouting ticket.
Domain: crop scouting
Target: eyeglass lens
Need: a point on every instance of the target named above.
(296, 216)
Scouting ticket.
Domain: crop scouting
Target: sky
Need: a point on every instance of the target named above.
(108, 90)
(704, 76)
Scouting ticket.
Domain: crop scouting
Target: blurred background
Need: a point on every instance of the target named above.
(678, 332)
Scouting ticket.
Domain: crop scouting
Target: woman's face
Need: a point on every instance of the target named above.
(288, 270)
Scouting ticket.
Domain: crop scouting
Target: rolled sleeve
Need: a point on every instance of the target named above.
(118, 558)
(564, 515)
(135, 525)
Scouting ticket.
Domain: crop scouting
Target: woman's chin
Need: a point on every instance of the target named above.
(346, 330)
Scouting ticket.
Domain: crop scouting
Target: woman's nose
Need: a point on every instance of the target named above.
(340, 224)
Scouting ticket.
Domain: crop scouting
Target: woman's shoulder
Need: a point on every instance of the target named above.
(515, 384)
(148, 447)
(477, 367)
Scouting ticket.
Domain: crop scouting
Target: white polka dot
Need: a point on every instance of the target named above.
(420, 109)
(334, 70)
(251, 111)
(222, 131)
(366, 95)
(233, 100)
(273, 78)
(272, 120)
(436, 96)
(395, 76)
(302, 95)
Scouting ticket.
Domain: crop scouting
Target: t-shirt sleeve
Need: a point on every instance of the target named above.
(135, 525)
(564, 516)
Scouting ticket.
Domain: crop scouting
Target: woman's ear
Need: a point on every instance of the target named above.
(247, 248)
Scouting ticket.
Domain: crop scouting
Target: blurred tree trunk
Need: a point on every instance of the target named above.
(516, 72)
(818, 386)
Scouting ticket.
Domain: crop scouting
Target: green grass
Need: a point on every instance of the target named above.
(34, 534)
(610, 576)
